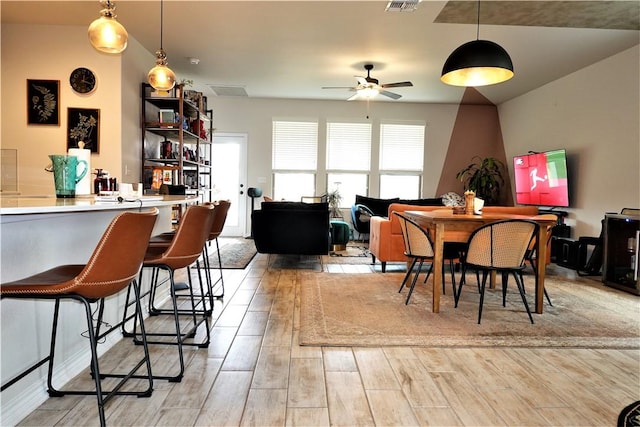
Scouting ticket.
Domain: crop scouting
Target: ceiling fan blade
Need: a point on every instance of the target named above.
(390, 94)
(339, 87)
(398, 84)
(353, 97)
(361, 80)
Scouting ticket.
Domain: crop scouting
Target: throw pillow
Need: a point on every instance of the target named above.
(452, 199)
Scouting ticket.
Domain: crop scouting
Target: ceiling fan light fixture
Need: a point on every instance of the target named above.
(161, 77)
(477, 63)
(368, 92)
(106, 34)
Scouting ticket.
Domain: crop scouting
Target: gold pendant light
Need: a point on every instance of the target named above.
(161, 77)
(105, 33)
(477, 63)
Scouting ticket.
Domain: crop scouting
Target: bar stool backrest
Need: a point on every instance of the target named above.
(117, 258)
(190, 237)
(219, 218)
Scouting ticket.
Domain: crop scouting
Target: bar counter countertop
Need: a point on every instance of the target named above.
(37, 204)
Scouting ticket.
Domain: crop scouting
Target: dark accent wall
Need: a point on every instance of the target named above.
(476, 132)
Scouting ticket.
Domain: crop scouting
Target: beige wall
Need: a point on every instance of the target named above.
(51, 53)
(595, 114)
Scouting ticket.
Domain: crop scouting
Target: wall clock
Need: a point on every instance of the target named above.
(82, 80)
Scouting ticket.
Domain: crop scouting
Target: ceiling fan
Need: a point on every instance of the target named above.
(368, 87)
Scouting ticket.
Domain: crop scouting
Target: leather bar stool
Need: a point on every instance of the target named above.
(162, 241)
(184, 249)
(219, 218)
(114, 264)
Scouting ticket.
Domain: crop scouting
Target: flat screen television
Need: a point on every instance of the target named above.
(541, 179)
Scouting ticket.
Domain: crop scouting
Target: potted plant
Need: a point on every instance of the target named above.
(334, 199)
(484, 177)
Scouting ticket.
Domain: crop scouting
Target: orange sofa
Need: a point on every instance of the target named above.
(385, 239)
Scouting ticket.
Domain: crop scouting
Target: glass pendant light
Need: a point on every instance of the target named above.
(106, 34)
(477, 63)
(161, 77)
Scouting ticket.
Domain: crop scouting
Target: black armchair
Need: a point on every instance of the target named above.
(361, 217)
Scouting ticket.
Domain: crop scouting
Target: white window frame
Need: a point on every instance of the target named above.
(410, 163)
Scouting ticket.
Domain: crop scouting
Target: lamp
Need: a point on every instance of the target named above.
(105, 33)
(161, 77)
(477, 63)
(368, 91)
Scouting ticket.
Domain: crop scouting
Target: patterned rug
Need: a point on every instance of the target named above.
(236, 253)
(367, 310)
(355, 253)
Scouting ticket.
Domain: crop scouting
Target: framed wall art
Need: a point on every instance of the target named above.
(43, 102)
(83, 124)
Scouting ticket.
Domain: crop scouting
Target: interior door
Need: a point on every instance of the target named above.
(229, 178)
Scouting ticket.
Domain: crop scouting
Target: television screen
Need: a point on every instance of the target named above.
(541, 179)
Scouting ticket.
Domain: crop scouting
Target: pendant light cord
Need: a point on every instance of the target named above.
(478, 27)
(162, 21)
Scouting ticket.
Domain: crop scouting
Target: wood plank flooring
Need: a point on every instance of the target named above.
(255, 374)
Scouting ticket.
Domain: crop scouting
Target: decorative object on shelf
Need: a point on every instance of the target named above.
(167, 116)
(83, 124)
(106, 34)
(82, 80)
(477, 63)
(43, 102)
(161, 77)
(484, 177)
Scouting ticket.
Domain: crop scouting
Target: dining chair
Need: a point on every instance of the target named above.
(417, 247)
(113, 265)
(499, 246)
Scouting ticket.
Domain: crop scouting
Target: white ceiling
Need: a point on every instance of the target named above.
(291, 49)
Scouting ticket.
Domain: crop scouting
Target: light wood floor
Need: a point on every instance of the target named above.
(254, 373)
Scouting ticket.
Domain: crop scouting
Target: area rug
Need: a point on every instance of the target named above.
(236, 253)
(367, 310)
(355, 253)
(630, 415)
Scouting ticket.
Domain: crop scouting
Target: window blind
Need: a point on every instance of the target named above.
(348, 146)
(401, 147)
(295, 145)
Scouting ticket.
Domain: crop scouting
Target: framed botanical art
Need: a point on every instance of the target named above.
(83, 124)
(43, 102)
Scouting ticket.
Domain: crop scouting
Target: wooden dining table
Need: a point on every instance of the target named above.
(444, 225)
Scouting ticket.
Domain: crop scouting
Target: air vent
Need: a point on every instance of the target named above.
(402, 6)
(228, 90)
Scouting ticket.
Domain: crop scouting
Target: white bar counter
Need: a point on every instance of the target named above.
(38, 233)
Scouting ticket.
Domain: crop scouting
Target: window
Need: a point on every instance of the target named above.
(348, 159)
(401, 159)
(294, 159)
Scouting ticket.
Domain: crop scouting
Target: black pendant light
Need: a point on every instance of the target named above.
(477, 63)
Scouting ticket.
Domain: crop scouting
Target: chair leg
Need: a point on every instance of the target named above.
(535, 276)
(524, 298)
(406, 276)
(415, 279)
(463, 279)
(482, 288)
